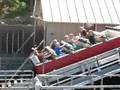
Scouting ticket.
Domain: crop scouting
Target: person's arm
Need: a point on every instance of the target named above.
(61, 46)
(51, 43)
(47, 55)
(50, 50)
(84, 40)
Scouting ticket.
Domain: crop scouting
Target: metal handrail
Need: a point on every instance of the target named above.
(80, 87)
(48, 76)
(83, 75)
(110, 75)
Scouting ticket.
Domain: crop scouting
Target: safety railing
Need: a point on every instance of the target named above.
(72, 86)
(100, 64)
(22, 79)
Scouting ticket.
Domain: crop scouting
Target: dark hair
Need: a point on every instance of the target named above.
(83, 33)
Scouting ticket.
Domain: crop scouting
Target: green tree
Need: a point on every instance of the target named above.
(14, 8)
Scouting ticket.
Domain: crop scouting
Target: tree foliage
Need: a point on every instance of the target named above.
(13, 8)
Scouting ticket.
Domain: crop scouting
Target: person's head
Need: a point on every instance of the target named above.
(71, 35)
(55, 41)
(66, 37)
(90, 32)
(35, 50)
(83, 33)
(57, 44)
(77, 37)
(34, 47)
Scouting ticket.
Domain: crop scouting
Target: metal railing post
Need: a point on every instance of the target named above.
(101, 84)
(97, 63)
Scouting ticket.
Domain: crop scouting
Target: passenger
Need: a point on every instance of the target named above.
(69, 39)
(58, 49)
(79, 42)
(67, 42)
(89, 35)
(76, 43)
(93, 39)
(71, 36)
(42, 55)
(38, 54)
(83, 33)
(53, 43)
(64, 49)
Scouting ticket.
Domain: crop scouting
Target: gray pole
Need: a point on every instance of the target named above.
(44, 44)
(34, 30)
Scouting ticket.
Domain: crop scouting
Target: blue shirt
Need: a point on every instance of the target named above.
(58, 51)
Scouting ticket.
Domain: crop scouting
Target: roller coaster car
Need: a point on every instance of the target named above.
(112, 41)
